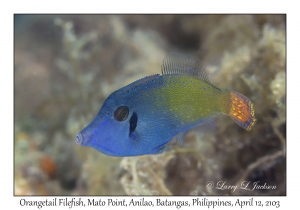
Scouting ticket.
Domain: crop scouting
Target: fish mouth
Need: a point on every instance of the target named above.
(79, 139)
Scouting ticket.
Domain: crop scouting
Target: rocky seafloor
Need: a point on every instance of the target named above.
(66, 65)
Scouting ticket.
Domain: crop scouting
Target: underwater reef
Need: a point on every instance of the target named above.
(65, 66)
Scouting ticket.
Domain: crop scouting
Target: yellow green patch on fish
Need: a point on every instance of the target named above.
(144, 116)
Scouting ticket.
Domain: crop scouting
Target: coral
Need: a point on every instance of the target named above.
(145, 175)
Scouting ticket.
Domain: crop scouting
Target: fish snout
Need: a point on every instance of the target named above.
(79, 139)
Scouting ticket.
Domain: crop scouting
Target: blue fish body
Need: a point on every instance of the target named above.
(142, 118)
(154, 127)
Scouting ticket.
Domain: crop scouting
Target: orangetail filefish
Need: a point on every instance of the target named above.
(144, 116)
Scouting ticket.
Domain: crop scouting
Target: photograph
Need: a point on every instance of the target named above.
(149, 105)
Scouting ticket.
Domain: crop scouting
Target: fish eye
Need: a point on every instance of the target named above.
(121, 113)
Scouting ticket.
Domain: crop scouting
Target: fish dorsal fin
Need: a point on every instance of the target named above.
(177, 63)
(137, 83)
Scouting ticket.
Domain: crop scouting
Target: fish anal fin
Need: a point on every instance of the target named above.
(179, 138)
(160, 149)
(208, 125)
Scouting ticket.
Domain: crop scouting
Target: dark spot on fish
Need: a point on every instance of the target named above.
(133, 123)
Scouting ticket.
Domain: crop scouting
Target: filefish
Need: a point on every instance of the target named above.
(144, 116)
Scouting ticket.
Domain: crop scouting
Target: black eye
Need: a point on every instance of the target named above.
(121, 113)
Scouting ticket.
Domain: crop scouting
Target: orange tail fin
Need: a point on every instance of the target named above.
(242, 110)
